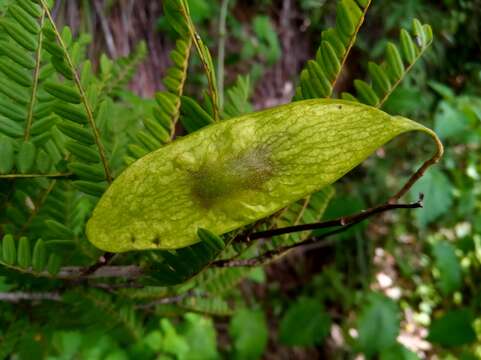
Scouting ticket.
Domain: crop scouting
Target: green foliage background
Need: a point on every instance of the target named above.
(401, 286)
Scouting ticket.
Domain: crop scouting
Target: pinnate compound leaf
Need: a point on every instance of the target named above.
(233, 173)
(304, 324)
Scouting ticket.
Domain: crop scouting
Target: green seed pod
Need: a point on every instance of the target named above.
(26, 157)
(236, 172)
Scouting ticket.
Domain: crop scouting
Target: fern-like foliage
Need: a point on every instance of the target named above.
(159, 128)
(193, 116)
(24, 110)
(93, 309)
(215, 306)
(60, 150)
(11, 336)
(219, 281)
(237, 101)
(318, 80)
(53, 102)
(116, 75)
(175, 267)
(385, 77)
(55, 124)
(21, 256)
(321, 74)
(75, 100)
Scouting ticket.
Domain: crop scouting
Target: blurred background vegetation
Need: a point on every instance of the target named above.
(401, 286)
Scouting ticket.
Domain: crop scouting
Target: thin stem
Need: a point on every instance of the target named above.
(18, 296)
(343, 223)
(420, 172)
(75, 273)
(36, 74)
(30, 176)
(83, 96)
(271, 255)
(166, 300)
(221, 51)
(101, 262)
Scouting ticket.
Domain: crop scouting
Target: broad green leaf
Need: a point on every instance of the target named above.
(453, 329)
(248, 330)
(233, 173)
(378, 325)
(304, 324)
(450, 277)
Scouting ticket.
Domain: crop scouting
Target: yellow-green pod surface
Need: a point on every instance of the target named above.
(235, 172)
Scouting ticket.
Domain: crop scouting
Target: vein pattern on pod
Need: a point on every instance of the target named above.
(238, 171)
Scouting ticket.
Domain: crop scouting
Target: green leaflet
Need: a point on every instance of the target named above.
(235, 172)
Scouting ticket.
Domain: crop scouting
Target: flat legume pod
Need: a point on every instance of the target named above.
(235, 172)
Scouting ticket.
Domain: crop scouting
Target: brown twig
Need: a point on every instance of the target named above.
(64, 176)
(420, 172)
(103, 261)
(343, 223)
(166, 300)
(15, 297)
(76, 273)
